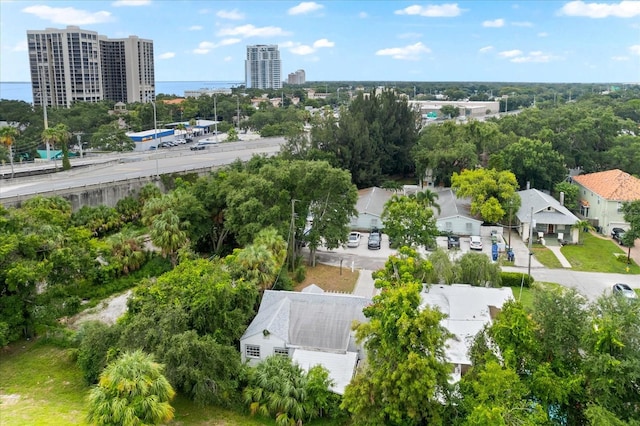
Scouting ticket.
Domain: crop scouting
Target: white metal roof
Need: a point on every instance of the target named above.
(339, 366)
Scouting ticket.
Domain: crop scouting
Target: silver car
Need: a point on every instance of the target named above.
(354, 240)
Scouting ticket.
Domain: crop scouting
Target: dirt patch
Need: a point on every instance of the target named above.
(108, 311)
(330, 278)
(11, 399)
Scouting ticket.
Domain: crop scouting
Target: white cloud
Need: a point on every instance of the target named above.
(21, 46)
(206, 46)
(620, 58)
(363, 15)
(411, 52)
(432, 11)
(230, 14)
(68, 15)
(305, 7)
(304, 49)
(119, 3)
(323, 42)
(252, 31)
(543, 34)
(486, 49)
(227, 58)
(522, 24)
(535, 56)
(195, 28)
(623, 9)
(510, 53)
(496, 23)
(635, 49)
(410, 35)
(288, 44)
(166, 55)
(203, 48)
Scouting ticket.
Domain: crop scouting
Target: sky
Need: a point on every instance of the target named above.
(492, 41)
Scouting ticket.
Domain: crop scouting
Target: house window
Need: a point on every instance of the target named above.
(469, 226)
(281, 351)
(374, 223)
(448, 225)
(619, 206)
(252, 351)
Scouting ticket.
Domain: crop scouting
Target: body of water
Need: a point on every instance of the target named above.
(21, 91)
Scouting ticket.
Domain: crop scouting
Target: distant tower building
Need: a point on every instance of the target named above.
(74, 65)
(297, 77)
(127, 69)
(263, 68)
(65, 66)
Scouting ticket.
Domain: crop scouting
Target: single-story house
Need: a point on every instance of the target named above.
(601, 197)
(468, 310)
(311, 327)
(455, 216)
(369, 206)
(550, 218)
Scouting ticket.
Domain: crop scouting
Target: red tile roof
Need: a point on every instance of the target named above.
(614, 185)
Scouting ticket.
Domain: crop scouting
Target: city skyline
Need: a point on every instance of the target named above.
(550, 41)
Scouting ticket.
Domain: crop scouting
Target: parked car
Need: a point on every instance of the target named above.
(188, 139)
(453, 241)
(375, 237)
(615, 232)
(354, 239)
(621, 289)
(475, 242)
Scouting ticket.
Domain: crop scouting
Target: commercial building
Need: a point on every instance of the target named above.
(263, 68)
(74, 65)
(298, 77)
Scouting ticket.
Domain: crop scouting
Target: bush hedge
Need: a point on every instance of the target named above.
(514, 279)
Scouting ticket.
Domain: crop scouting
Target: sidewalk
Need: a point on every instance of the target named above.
(563, 260)
(364, 286)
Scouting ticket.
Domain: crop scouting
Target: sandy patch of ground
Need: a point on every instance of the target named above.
(108, 311)
(9, 399)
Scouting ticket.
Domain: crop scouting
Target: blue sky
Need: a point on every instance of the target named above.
(519, 41)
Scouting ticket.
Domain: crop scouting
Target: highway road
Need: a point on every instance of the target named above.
(110, 168)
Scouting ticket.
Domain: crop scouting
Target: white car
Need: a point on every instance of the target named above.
(475, 242)
(354, 239)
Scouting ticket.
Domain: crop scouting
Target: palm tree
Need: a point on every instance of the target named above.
(8, 136)
(258, 265)
(181, 127)
(59, 135)
(167, 234)
(582, 226)
(132, 391)
(427, 198)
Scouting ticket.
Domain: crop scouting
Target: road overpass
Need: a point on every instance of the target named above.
(105, 180)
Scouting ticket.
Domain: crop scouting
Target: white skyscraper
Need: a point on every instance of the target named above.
(263, 68)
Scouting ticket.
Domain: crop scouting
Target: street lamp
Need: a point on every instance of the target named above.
(155, 132)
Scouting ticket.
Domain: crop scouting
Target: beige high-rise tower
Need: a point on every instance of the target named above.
(74, 65)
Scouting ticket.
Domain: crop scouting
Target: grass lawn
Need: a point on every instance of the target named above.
(597, 255)
(545, 256)
(40, 385)
(528, 294)
(329, 278)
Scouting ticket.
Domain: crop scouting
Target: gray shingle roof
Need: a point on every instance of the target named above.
(451, 206)
(309, 320)
(546, 209)
(372, 200)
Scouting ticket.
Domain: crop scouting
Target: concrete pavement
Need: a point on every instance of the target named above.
(563, 260)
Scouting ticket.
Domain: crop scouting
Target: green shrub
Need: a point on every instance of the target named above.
(283, 282)
(300, 274)
(514, 279)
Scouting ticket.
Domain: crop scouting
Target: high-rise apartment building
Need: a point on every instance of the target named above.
(263, 69)
(71, 65)
(127, 69)
(298, 77)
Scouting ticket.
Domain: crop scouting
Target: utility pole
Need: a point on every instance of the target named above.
(292, 234)
(531, 225)
(215, 112)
